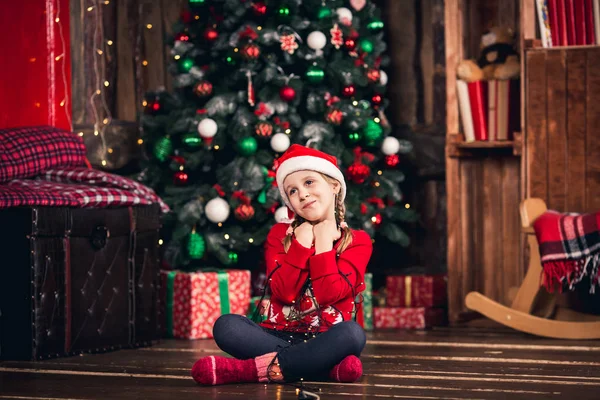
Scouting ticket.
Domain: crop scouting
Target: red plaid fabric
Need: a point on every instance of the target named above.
(569, 248)
(77, 187)
(27, 152)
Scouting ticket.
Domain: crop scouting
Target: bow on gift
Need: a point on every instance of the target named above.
(269, 181)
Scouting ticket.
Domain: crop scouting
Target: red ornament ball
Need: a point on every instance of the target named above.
(211, 34)
(376, 99)
(350, 44)
(353, 34)
(358, 173)
(203, 88)
(182, 37)
(348, 90)
(392, 160)
(373, 75)
(180, 178)
(244, 212)
(251, 51)
(287, 93)
(260, 8)
(264, 129)
(376, 220)
(334, 116)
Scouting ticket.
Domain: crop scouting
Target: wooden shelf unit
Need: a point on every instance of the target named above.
(483, 179)
(457, 147)
(554, 156)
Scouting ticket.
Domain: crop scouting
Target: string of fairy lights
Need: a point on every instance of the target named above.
(101, 47)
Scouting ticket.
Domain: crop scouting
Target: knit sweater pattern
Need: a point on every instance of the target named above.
(312, 292)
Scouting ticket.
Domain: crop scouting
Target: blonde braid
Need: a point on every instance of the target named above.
(287, 240)
(340, 217)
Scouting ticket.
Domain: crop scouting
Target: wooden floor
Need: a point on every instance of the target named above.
(444, 363)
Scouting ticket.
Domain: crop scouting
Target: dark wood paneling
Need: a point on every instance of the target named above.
(576, 83)
(592, 145)
(557, 140)
(537, 140)
(509, 247)
(126, 78)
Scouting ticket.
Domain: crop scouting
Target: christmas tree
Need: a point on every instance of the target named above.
(250, 78)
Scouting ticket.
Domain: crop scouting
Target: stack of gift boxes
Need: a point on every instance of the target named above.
(411, 302)
(192, 301)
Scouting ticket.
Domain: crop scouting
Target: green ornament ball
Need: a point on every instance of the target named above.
(354, 137)
(375, 25)
(372, 132)
(163, 148)
(315, 74)
(197, 1)
(192, 140)
(324, 12)
(233, 257)
(366, 45)
(196, 246)
(247, 146)
(186, 64)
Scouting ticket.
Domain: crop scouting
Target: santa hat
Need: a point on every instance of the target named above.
(300, 158)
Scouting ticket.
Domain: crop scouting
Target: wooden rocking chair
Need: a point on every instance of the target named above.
(533, 309)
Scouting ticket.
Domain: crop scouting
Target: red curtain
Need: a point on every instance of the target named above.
(35, 72)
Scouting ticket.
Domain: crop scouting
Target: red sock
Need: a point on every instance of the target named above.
(217, 370)
(349, 370)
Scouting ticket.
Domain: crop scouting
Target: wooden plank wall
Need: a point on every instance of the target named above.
(563, 108)
(125, 23)
(484, 240)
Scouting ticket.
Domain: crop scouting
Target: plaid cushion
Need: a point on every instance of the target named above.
(77, 187)
(29, 151)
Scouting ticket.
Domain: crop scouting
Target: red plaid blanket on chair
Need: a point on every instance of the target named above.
(569, 248)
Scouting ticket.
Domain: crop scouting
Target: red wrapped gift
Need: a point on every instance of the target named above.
(194, 300)
(416, 290)
(407, 318)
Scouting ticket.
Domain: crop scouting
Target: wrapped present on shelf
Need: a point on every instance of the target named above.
(416, 290)
(365, 299)
(194, 300)
(408, 318)
(258, 307)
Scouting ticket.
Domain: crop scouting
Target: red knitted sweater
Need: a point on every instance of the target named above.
(310, 293)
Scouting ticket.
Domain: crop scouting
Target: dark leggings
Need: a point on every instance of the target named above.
(299, 356)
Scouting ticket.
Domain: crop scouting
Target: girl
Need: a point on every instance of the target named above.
(315, 269)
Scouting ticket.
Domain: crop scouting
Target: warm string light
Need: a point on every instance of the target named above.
(65, 101)
(100, 126)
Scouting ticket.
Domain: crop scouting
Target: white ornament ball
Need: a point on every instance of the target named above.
(280, 142)
(344, 15)
(281, 214)
(207, 128)
(217, 210)
(390, 146)
(316, 40)
(383, 78)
